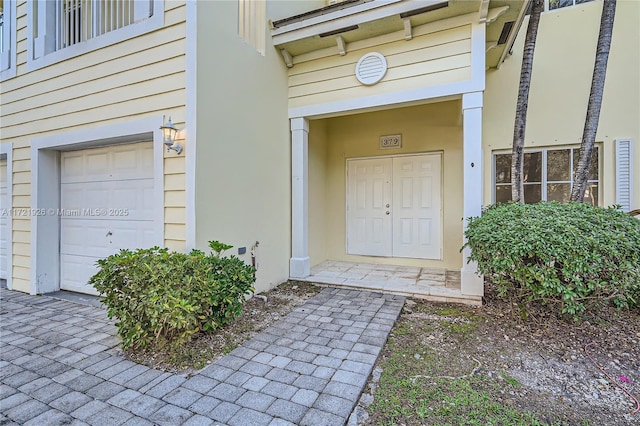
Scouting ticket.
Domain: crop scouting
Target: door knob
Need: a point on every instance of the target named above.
(387, 205)
(387, 212)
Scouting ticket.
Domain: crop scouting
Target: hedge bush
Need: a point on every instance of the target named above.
(162, 298)
(573, 255)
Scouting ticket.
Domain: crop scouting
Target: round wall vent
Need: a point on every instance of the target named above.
(371, 68)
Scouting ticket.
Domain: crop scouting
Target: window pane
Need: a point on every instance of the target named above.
(532, 167)
(556, 4)
(503, 193)
(558, 165)
(558, 192)
(591, 193)
(532, 193)
(593, 167)
(503, 168)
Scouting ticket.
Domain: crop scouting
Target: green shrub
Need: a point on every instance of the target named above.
(163, 298)
(570, 254)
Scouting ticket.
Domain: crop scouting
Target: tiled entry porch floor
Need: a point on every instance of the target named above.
(428, 283)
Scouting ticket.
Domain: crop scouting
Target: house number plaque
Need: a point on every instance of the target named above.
(390, 141)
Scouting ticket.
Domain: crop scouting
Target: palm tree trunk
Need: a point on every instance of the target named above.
(517, 161)
(595, 100)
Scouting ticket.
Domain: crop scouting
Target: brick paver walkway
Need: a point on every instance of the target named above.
(59, 364)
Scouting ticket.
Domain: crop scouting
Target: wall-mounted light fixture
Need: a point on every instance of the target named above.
(169, 133)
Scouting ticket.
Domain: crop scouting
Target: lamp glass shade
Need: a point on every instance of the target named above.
(169, 131)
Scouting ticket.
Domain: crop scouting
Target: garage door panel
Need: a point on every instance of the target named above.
(116, 200)
(101, 237)
(75, 270)
(96, 165)
(107, 203)
(118, 162)
(86, 237)
(136, 197)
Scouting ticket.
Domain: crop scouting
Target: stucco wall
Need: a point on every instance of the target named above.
(562, 71)
(243, 161)
(434, 127)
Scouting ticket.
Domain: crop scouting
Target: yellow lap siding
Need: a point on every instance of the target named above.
(21, 225)
(21, 249)
(176, 245)
(22, 177)
(436, 79)
(21, 237)
(174, 231)
(393, 61)
(393, 74)
(21, 201)
(174, 164)
(21, 261)
(137, 78)
(174, 198)
(175, 215)
(429, 59)
(23, 189)
(64, 110)
(174, 182)
(89, 92)
(125, 110)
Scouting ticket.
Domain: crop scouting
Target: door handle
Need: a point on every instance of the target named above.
(109, 234)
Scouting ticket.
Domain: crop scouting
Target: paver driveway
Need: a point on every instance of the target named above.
(59, 364)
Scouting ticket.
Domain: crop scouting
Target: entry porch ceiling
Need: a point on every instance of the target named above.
(342, 23)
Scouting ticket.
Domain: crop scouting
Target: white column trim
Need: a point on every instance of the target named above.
(299, 265)
(471, 283)
(478, 55)
(6, 150)
(191, 122)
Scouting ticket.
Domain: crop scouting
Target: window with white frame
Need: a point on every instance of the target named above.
(557, 4)
(7, 39)
(548, 175)
(63, 28)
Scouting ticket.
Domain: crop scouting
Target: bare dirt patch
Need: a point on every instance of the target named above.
(258, 313)
(453, 364)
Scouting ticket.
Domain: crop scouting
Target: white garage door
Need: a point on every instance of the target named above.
(106, 201)
(4, 221)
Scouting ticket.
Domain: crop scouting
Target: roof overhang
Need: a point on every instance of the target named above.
(339, 24)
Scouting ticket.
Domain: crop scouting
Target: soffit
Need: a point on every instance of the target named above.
(301, 34)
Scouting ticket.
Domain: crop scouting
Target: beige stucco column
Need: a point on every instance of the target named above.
(299, 266)
(471, 283)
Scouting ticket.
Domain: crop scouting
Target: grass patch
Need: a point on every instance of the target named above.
(420, 386)
(465, 322)
(435, 401)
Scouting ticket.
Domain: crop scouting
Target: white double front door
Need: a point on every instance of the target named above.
(394, 206)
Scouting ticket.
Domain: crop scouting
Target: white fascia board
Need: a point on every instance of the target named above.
(385, 100)
(343, 18)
